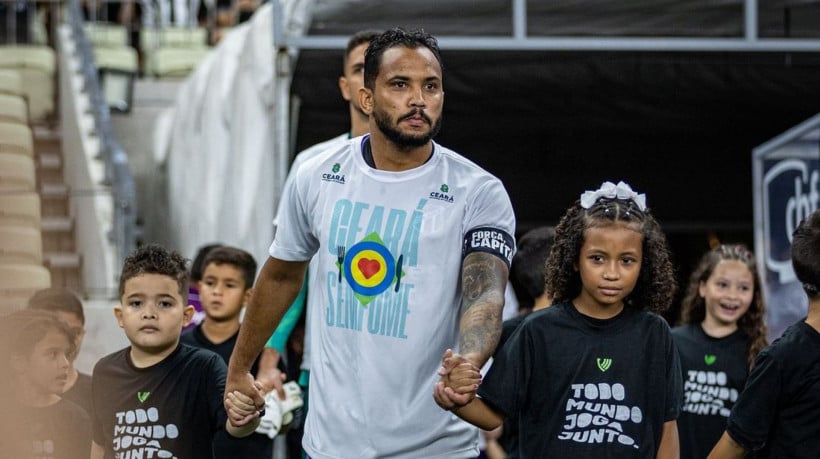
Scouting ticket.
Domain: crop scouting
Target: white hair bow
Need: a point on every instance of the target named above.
(612, 191)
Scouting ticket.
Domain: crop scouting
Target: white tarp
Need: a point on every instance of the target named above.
(220, 155)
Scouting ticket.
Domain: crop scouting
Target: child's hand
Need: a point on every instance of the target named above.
(241, 409)
(463, 379)
(459, 381)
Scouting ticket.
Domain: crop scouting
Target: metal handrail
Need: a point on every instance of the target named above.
(124, 231)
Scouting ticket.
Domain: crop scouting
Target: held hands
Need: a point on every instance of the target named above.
(244, 400)
(459, 381)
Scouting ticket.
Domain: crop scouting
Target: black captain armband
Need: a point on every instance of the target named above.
(490, 240)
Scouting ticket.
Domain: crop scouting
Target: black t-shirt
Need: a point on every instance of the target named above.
(170, 409)
(226, 446)
(59, 431)
(80, 392)
(586, 388)
(196, 337)
(714, 373)
(778, 411)
(509, 434)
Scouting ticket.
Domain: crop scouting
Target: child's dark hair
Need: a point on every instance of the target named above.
(529, 265)
(805, 254)
(198, 265)
(391, 39)
(233, 256)
(23, 329)
(693, 308)
(155, 259)
(359, 38)
(58, 299)
(656, 285)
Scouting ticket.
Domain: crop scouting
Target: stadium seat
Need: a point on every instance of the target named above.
(15, 137)
(173, 62)
(21, 245)
(10, 83)
(16, 173)
(106, 35)
(173, 52)
(20, 209)
(36, 65)
(13, 109)
(118, 58)
(180, 37)
(18, 282)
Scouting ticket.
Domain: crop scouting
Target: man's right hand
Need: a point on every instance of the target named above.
(243, 400)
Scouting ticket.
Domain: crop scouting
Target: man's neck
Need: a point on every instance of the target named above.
(218, 332)
(390, 157)
(359, 123)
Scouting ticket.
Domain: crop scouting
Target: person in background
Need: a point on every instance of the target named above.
(67, 307)
(776, 414)
(36, 421)
(722, 333)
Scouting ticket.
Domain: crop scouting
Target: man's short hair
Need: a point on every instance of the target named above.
(529, 265)
(805, 250)
(238, 258)
(361, 37)
(390, 39)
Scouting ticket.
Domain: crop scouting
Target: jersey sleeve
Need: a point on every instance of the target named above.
(489, 225)
(505, 385)
(294, 240)
(752, 415)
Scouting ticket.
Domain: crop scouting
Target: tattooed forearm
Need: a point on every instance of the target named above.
(483, 280)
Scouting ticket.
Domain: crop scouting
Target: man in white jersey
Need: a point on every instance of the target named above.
(413, 244)
(349, 83)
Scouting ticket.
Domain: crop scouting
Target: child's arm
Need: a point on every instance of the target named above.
(669, 447)
(727, 448)
(476, 412)
(97, 451)
(242, 411)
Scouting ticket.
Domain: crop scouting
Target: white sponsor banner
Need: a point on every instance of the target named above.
(786, 190)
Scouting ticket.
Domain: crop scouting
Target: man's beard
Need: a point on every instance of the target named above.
(402, 140)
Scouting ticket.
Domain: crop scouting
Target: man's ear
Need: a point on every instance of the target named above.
(344, 88)
(118, 315)
(366, 100)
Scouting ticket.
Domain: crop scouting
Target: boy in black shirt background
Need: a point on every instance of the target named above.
(776, 414)
(225, 286)
(157, 397)
(68, 308)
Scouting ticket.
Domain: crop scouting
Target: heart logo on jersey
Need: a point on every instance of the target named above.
(369, 267)
(709, 359)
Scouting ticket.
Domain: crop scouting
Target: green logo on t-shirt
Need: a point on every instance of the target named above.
(143, 396)
(709, 359)
(445, 188)
(336, 168)
(604, 364)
